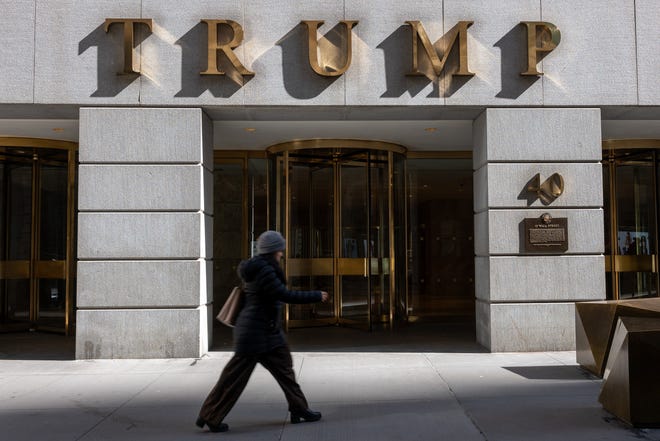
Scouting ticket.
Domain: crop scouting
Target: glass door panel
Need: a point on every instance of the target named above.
(17, 265)
(19, 212)
(16, 314)
(310, 242)
(50, 266)
(356, 243)
(636, 228)
(398, 259)
(631, 223)
(379, 204)
(335, 206)
(240, 203)
(228, 228)
(37, 229)
(441, 248)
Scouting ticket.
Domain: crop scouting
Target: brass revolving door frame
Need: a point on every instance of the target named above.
(339, 265)
(37, 267)
(623, 151)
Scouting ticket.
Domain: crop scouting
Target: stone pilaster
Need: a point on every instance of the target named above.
(144, 233)
(525, 301)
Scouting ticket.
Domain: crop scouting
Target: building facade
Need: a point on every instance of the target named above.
(495, 161)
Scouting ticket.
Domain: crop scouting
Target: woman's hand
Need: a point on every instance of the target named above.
(325, 296)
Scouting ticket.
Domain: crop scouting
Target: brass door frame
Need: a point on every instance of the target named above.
(615, 263)
(37, 269)
(281, 152)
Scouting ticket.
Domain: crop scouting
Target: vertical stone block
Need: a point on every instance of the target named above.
(515, 288)
(154, 170)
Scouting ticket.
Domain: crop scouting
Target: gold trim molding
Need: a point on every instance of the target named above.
(336, 143)
(451, 154)
(632, 143)
(14, 141)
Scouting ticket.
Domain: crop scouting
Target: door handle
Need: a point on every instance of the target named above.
(365, 267)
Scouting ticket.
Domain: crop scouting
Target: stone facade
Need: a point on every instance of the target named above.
(62, 55)
(145, 199)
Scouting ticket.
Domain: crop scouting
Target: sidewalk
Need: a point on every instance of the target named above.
(363, 396)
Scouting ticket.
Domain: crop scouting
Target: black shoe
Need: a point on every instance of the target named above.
(306, 415)
(222, 427)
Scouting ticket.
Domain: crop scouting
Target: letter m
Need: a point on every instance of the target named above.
(458, 32)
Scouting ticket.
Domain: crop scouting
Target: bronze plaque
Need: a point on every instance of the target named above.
(546, 234)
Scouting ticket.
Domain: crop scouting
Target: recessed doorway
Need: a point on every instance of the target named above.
(36, 234)
(388, 232)
(342, 208)
(631, 175)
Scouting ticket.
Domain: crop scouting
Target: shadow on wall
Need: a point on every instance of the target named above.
(110, 58)
(300, 81)
(398, 63)
(195, 60)
(513, 51)
(526, 195)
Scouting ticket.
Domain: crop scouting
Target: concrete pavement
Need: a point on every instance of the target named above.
(363, 396)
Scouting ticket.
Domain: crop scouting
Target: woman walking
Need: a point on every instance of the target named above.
(259, 338)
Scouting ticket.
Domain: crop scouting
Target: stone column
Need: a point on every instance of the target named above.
(525, 301)
(144, 233)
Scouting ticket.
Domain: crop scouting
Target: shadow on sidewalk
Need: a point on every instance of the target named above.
(36, 346)
(456, 337)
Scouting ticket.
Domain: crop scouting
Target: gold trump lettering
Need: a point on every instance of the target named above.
(226, 48)
(542, 37)
(327, 70)
(129, 38)
(458, 32)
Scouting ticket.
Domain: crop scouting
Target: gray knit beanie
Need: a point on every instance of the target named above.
(269, 242)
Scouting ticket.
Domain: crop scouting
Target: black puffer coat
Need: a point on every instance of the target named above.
(258, 327)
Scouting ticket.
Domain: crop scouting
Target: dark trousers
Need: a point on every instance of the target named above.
(236, 374)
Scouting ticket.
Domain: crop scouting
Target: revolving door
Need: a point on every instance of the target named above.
(341, 206)
(37, 200)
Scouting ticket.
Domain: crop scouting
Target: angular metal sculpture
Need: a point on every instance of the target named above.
(595, 324)
(631, 389)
